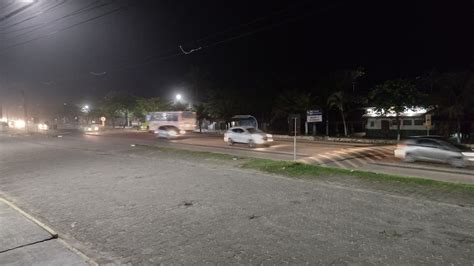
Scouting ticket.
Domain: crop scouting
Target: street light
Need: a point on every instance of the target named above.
(178, 97)
(85, 109)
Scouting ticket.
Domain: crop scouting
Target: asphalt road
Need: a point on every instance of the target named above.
(357, 156)
(123, 204)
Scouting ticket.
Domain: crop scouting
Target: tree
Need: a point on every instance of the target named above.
(117, 104)
(338, 100)
(223, 104)
(146, 105)
(201, 114)
(293, 102)
(395, 96)
(453, 96)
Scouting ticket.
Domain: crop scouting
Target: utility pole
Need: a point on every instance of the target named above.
(294, 143)
(25, 110)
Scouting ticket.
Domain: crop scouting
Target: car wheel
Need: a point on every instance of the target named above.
(409, 158)
(456, 162)
(230, 142)
(251, 143)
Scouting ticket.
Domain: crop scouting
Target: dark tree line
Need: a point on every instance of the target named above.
(341, 95)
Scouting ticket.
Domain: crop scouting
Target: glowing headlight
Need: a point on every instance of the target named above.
(20, 123)
(96, 128)
(182, 132)
(42, 127)
(89, 129)
(269, 136)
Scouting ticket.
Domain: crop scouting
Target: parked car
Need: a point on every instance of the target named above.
(434, 149)
(91, 128)
(247, 135)
(169, 132)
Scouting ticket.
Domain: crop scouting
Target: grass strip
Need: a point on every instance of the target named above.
(308, 171)
(301, 170)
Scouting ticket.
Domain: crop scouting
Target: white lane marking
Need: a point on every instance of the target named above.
(332, 161)
(352, 164)
(317, 160)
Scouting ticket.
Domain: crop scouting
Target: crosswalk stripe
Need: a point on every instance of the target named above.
(329, 158)
(317, 160)
(352, 164)
(361, 161)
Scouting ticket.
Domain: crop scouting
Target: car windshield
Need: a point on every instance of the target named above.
(254, 130)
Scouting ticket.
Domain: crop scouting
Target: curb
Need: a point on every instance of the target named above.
(426, 169)
(54, 234)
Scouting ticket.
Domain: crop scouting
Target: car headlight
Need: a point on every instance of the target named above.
(269, 136)
(96, 128)
(89, 129)
(182, 132)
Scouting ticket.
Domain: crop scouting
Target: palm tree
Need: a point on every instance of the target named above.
(337, 100)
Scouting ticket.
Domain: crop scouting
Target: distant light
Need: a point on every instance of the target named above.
(86, 106)
(19, 124)
(27, 1)
(178, 97)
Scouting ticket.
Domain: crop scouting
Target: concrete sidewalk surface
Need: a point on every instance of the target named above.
(24, 241)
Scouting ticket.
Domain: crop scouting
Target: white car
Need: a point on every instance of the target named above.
(92, 128)
(247, 135)
(169, 132)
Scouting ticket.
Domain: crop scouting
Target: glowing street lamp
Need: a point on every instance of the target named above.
(178, 97)
(85, 109)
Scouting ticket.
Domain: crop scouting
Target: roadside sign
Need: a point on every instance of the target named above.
(428, 121)
(314, 116)
(103, 120)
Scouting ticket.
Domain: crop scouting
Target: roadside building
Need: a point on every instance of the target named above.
(412, 123)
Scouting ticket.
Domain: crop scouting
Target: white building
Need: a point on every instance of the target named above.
(384, 124)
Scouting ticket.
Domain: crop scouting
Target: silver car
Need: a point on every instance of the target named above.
(434, 149)
(169, 132)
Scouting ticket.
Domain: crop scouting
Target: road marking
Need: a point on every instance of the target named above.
(352, 164)
(317, 160)
(332, 161)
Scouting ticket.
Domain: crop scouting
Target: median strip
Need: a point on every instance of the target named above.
(308, 171)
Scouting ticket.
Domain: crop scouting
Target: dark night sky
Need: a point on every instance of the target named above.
(294, 40)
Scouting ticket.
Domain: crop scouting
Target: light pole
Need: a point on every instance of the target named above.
(25, 110)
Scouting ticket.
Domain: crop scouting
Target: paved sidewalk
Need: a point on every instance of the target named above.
(24, 242)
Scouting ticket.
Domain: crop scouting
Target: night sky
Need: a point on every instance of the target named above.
(76, 51)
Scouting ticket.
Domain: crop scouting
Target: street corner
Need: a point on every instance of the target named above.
(26, 241)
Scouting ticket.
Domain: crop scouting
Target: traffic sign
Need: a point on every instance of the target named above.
(314, 116)
(428, 120)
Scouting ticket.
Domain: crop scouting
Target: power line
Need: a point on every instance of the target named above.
(261, 18)
(263, 28)
(183, 52)
(17, 11)
(34, 16)
(63, 29)
(52, 22)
